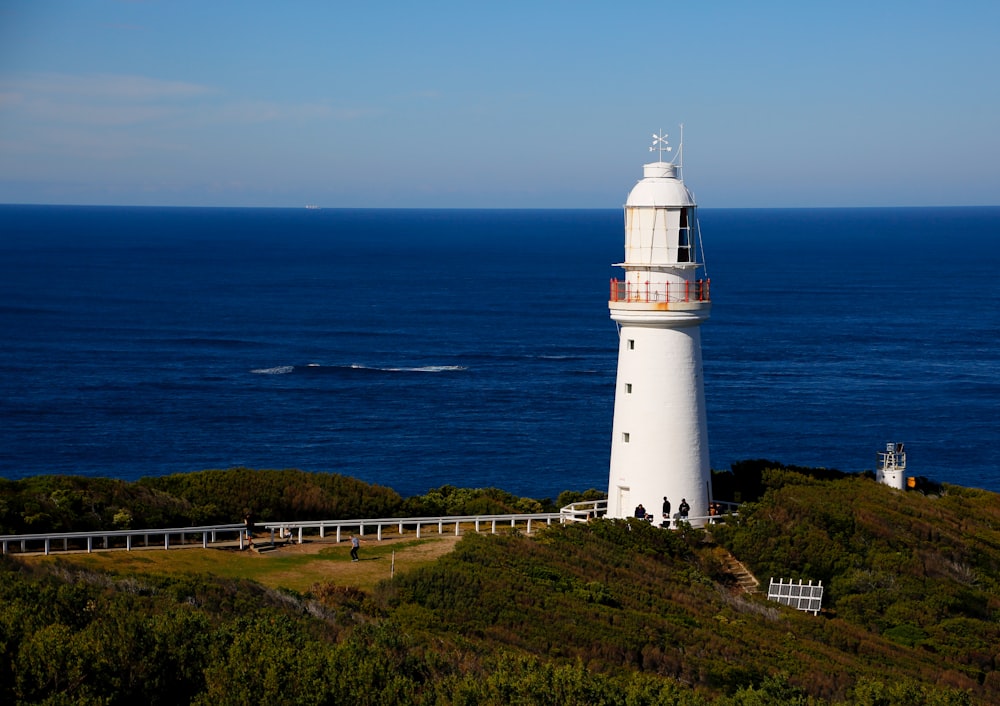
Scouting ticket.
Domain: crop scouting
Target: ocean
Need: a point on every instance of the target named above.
(419, 348)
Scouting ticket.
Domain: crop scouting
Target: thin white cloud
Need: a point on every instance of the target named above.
(118, 100)
(118, 87)
(94, 99)
(62, 126)
(98, 115)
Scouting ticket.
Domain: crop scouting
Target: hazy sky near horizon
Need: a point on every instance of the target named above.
(520, 104)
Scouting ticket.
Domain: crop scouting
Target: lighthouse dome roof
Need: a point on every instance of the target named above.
(660, 186)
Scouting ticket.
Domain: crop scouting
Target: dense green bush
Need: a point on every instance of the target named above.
(59, 503)
(226, 496)
(449, 500)
(73, 503)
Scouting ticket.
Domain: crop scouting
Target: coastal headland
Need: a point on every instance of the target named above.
(609, 611)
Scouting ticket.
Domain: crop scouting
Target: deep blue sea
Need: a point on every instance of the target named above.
(417, 348)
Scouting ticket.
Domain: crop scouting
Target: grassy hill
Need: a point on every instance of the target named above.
(609, 612)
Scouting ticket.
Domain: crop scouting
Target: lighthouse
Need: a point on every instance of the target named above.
(892, 466)
(659, 445)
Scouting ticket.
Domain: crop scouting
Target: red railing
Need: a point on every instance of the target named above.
(697, 291)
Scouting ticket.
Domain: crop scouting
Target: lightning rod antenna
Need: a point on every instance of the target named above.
(680, 153)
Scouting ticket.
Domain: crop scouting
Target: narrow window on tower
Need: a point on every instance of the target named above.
(625, 436)
(684, 239)
(628, 388)
(631, 344)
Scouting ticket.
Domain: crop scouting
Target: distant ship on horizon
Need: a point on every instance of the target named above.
(312, 207)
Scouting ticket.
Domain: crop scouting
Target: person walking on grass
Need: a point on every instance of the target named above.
(355, 543)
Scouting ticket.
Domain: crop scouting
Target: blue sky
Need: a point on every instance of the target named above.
(466, 104)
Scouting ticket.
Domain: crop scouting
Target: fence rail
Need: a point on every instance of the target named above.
(584, 510)
(178, 537)
(121, 539)
(297, 531)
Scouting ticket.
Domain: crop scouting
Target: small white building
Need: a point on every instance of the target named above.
(892, 466)
(659, 445)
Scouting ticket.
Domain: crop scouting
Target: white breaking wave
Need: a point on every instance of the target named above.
(431, 369)
(420, 369)
(286, 369)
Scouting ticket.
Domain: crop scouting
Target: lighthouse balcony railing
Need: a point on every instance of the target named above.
(647, 292)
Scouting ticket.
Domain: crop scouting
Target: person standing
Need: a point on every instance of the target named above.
(683, 509)
(355, 543)
(248, 524)
(666, 512)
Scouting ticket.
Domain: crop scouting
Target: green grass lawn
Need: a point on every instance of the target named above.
(295, 567)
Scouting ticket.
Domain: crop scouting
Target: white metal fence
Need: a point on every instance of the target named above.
(178, 537)
(121, 539)
(297, 531)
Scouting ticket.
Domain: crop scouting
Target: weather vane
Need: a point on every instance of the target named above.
(660, 143)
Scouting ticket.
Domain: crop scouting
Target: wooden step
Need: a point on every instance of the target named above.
(747, 582)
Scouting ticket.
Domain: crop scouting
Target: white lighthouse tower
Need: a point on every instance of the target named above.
(659, 445)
